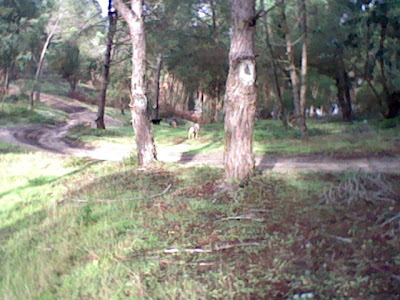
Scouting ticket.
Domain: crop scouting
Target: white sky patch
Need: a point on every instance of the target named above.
(104, 7)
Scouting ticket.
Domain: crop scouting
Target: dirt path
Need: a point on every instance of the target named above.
(53, 139)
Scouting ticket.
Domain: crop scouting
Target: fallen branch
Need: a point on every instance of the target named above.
(206, 250)
(107, 201)
(244, 217)
(340, 238)
(391, 220)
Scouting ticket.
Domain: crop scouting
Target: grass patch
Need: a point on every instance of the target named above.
(272, 239)
(326, 138)
(18, 111)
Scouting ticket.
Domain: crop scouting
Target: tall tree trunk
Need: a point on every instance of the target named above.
(343, 86)
(294, 78)
(156, 87)
(144, 136)
(381, 57)
(240, 98)
(105, 76)
(35, 93)
(282, 110)
(304, 66)
(392, 98)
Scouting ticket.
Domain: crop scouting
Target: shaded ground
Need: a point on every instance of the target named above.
(53, 138)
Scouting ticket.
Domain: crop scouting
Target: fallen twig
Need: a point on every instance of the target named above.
(206, 250)
(244, 217)
(340, 238)
(107, 201)
(391, 220)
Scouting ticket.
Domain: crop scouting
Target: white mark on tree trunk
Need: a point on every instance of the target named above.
(247, 72)
(140, 101)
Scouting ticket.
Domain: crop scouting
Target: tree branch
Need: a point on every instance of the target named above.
(127, 13)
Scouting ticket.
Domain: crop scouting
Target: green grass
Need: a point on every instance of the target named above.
(270, 138)
(53, 247)
(274, 238)
(18, 110)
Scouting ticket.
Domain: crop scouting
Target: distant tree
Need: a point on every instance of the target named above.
(51, 29)
(112, 26)
(66, 62)
(144, 137)
(241, 94)
(298, 90)
(273, 58)
(15, 20)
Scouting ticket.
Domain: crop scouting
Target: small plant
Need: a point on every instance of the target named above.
(87, 217)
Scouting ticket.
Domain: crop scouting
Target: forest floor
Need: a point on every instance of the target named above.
(78, 228)
(53, 138)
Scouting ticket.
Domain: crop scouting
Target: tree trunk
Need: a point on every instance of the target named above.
(393, 102)
(7, 79)
(112, 23)
(156, 89)
(304, 66)
(343, 86)
(344, 98)
(294, 78)
(35, 93)
(140, 121)
(282, 110)
(240, 98)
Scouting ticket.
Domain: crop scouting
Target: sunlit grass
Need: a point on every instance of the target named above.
(55, 243)
(270, 138)
(15, 112)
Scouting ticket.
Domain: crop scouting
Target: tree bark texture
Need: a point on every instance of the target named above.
(240, 98)
(105, 76)
(140, 122)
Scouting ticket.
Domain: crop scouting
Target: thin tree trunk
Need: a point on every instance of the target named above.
(105, 76)
(344, 98)
(304, 66)
(35, 93)
(140, 122)
(214, 22)
(343, 86)
(381, 58)
(294, 78)
(156, 88)
(7, 79)
(282, 110)
(240, 98)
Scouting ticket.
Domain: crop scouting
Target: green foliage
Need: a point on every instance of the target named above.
(65, 61)
(367, 100)
(389, 123)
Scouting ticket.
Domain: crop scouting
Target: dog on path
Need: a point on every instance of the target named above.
(193, 132)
